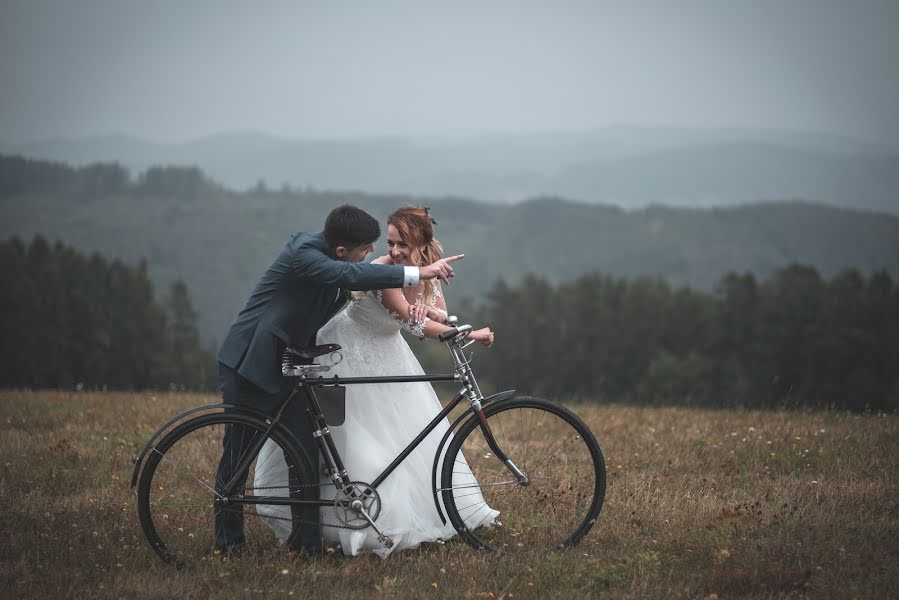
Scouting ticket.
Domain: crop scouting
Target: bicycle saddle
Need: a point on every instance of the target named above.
(312, 351)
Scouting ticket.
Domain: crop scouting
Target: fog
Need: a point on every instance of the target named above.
(173, 71)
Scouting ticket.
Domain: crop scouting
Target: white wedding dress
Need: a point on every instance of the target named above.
(381, 420)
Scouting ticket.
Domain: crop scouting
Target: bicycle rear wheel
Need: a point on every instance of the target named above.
(561, 459)
(179, 497)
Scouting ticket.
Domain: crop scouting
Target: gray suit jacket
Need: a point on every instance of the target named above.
(294, 298)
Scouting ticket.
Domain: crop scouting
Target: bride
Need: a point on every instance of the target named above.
(382, 419)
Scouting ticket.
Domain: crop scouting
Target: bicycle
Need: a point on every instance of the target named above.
(535, 462)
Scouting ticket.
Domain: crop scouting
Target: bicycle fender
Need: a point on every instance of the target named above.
(139, 458)
(435, 485)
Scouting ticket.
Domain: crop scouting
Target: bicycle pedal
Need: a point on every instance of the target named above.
(388, 543)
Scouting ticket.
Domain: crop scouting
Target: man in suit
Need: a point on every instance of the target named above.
(302, 289)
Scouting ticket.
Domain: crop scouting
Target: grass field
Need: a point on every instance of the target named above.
(700, 504)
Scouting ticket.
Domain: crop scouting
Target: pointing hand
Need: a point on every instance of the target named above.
(442, 268)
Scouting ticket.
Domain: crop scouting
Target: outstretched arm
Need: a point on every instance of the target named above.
(313, 266)
(397, 305)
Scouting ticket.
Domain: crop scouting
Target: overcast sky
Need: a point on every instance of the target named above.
(176, 70)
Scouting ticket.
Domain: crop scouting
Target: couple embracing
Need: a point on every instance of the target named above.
(304, 298)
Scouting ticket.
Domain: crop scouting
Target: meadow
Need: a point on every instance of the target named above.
(700, 504)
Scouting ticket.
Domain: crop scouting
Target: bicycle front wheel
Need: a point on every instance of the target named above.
(181, 499)
(566, 478)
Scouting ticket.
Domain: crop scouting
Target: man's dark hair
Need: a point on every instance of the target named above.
(350, 226)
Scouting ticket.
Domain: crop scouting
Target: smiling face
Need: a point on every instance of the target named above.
(399, 251)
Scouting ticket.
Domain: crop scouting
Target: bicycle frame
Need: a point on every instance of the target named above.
(322, 434)
(328, 450)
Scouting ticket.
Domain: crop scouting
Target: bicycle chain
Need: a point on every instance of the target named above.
(302, 521)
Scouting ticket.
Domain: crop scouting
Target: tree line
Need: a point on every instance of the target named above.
(20, 175)
(73, 321)
(791, 340)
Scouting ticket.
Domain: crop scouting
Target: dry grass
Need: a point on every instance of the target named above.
(699, 503)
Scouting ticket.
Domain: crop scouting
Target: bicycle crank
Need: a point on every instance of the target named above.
(359, 508)
(357, 505)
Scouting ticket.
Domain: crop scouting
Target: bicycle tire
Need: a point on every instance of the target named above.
(175, 496)
(560, 456)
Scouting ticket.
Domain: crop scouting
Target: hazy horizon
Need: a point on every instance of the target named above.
(450, 137)
(172, 73)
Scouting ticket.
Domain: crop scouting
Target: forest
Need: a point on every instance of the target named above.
(794, 340)
(72, 321)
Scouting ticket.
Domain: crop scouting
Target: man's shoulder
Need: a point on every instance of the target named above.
(303, 240)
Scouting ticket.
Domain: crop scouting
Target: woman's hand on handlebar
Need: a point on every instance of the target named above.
(483, 336)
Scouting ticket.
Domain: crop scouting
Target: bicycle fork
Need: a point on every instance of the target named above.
(494, 446)
(474, 395)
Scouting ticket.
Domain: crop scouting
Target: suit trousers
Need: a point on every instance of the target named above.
(229, 524)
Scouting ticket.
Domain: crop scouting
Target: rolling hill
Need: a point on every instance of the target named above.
(626, 166)
(219, 240)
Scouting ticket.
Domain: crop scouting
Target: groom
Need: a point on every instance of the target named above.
(300, 292)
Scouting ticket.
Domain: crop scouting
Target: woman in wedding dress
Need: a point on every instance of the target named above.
(382, 419)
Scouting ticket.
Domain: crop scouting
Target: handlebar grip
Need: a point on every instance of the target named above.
(447, 335)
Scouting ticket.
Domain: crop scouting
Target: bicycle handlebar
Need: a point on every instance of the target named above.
(454, 332)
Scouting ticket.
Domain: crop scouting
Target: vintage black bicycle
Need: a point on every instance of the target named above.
(534, 462)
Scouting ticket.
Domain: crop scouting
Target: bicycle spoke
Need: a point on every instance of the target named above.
(189, 475)
(480, 485)
(556, 451)
(556, 506)
(180, 497)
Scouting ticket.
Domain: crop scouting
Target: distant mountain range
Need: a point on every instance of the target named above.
(219, 241)
(625, 166)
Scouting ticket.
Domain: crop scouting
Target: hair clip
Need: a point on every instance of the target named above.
(428, 214)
